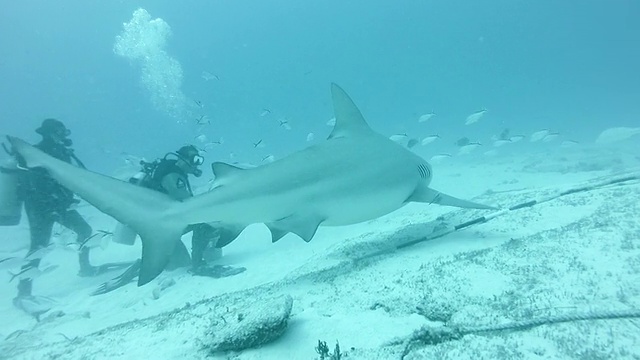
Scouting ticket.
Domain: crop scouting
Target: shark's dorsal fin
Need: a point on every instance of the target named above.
(222, 170)
(349, 119)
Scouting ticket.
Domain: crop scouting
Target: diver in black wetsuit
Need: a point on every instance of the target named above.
(171, 176)
(47, 202)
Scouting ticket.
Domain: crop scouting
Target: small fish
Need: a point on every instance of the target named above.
(203, 120)
(617, 134)
(36, 305)
(199, 103)
(463, 141)
(232, 155)
(504, 135)
(331, 122)
(11, 263)
(475, 117)
(98, 239)
(499, 143)
(310, 136)
(468, 148)
(398, 137)
(207, 76)
(439, 157)
(40, 253)
(307, 72)
(550, 137)
(516, 138)
(539, 135)
(32, 272)
(132, 160)
(284, 123)
(202, 138)
(429, 139)
(268, 158)
(412, 142)
(568, 144)
(426, 117)
(258, 144)
(213, 143)
(265, 112)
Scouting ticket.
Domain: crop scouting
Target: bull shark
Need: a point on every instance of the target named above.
(354, 176)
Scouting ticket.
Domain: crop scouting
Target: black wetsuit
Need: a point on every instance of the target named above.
(170, 179)
(47, 202)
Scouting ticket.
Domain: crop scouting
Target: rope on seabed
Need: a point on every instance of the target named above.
(527, 204)
(429, 335)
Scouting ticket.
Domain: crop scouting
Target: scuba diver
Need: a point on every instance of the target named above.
(169, 175)
(46, 202)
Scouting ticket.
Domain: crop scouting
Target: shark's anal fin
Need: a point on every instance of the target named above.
(427, 195)
(303, 226)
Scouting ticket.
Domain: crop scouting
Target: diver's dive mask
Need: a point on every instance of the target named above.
(56, 131)
(61, 137)
(191, 156)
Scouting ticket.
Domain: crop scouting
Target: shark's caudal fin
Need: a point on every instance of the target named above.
(140, 208)
(428, 195)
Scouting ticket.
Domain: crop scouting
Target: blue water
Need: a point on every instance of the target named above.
(569, 65)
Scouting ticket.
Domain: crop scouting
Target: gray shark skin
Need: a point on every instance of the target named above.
(355, 175)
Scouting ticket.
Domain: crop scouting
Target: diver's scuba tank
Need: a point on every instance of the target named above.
(138, 178)
(10, 200)
(124, 235)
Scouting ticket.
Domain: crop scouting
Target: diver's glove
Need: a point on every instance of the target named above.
(119, 281)
(216, 271)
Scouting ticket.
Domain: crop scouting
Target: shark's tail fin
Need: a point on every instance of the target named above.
(144, 210)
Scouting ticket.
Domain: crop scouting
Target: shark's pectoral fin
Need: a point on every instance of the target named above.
(303, 226)
(427, 195)
(157, 249)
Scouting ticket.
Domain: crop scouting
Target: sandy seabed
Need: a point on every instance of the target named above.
(576, 253)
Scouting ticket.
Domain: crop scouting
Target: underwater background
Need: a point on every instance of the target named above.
(253, 65)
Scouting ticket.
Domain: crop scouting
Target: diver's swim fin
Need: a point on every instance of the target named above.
(217, 271)
(121, 280)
